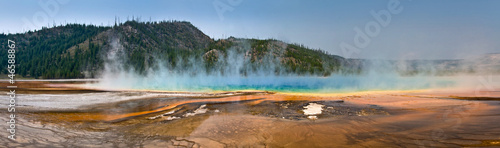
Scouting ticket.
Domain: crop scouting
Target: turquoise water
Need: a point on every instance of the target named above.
(332, 84)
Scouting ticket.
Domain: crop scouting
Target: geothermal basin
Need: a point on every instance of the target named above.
(70, 113)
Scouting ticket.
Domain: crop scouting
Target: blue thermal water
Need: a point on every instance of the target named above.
(313, 84)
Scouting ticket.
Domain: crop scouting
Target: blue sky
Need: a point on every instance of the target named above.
(424, 29)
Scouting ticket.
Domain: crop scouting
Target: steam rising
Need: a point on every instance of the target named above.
(235, 73)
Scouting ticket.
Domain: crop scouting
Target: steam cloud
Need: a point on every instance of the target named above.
(234, 73)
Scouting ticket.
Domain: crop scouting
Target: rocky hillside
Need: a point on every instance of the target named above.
(82, 51)
(85, 51)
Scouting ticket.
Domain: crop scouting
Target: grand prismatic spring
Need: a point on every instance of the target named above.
(239, 73)
(70, 113)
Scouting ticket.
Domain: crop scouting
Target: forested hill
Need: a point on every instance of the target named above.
(81, 51)
(46, 53)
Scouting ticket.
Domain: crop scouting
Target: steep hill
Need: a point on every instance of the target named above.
(86, 51)
(82, 51)
(44, 53)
